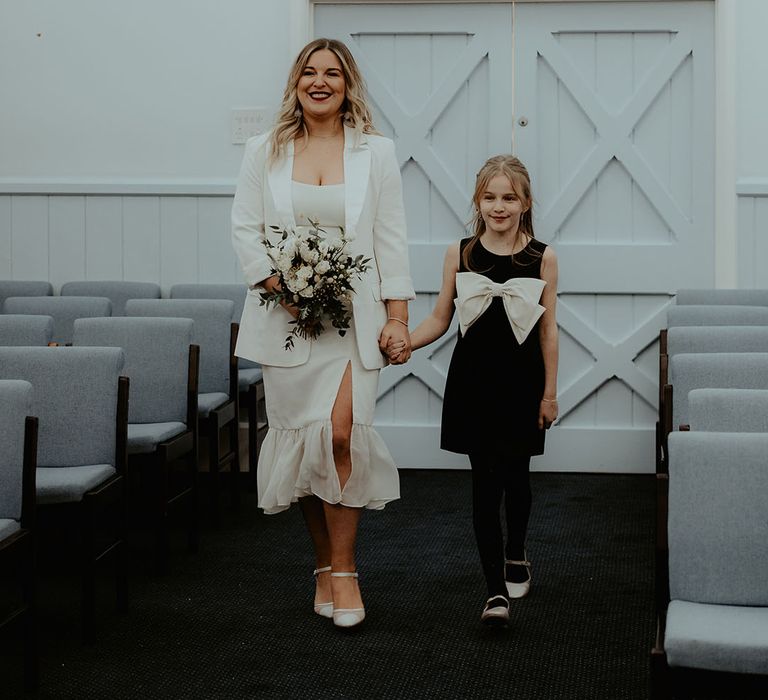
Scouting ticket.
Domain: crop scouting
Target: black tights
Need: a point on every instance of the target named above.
(492, 476)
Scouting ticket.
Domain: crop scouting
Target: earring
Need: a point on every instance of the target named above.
(297, 112)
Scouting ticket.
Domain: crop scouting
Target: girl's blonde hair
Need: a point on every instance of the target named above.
(517, 174)
(355, 112)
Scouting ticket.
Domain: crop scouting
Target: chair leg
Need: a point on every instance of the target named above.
(234, 465)
(159, 498)
(31, 673)
(214, 468)
(121, 555)
(88, 564)
(193, 522)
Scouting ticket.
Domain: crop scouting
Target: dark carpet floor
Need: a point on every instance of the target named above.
(235, 620)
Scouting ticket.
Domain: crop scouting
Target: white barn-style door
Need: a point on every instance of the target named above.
(610, 105)
(618, 105)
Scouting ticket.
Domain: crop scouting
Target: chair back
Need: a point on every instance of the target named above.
(75, 399)
(23, 288)
(118, 292)
(63, 310)
(688, 371)
(742, 297)
(156, 357)
(728, 410)
(717, 339)
(233, 292)
(717, 526)
(717, 315)
(23, 329)
(15, 406)
(212, 329)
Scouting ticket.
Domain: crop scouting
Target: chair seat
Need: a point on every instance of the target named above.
(145, 437)
(247, 376)
(70, 484)
(727, 638)
(207, 402)
(7, 527)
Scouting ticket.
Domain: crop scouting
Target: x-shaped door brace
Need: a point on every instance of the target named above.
(411, 130)
(614, 133)
(611, 360)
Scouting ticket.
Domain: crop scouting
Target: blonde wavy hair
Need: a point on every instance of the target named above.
(354, 112)
(517, 174)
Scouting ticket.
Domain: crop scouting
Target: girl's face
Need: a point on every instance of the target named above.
(321, 88)
(500, 206)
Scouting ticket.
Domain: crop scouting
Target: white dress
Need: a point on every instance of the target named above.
(296, 458)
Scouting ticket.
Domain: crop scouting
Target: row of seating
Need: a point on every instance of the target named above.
(108, 464)
(712, 492)
(86, 299)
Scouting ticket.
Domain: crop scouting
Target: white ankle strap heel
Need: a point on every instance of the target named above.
(347, 617)
(323, 609)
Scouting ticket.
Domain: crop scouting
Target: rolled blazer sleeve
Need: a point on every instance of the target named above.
(248, 213)
(390, 243)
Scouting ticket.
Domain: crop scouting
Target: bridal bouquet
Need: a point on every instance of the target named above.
(316, 275)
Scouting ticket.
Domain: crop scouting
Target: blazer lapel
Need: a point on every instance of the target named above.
(280, 185)
(357, 168)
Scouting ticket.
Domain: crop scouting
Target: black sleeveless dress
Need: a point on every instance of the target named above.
(495, 384)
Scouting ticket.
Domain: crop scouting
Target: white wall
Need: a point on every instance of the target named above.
(93, 89)
(751, 124)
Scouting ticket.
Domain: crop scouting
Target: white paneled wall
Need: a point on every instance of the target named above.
(167, 239)
(753, 234)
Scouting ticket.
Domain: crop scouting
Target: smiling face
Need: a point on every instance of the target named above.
(500, 206)
(321, 88)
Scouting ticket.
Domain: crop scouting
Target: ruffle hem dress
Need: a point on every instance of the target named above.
(296, 458)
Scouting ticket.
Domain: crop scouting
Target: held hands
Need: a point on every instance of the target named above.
(547, 413)
(395, 342)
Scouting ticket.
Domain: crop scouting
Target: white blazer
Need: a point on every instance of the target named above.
(374, 220)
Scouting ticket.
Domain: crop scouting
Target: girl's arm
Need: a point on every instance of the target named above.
(437, 323)
(548, 409)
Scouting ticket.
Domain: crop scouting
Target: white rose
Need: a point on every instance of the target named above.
(322, 267)
(308, 291)
(305, 272)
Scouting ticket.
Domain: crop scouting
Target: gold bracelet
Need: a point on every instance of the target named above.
(549, 400)
(399, 320)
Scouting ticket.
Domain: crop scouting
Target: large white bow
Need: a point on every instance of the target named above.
(474, 293)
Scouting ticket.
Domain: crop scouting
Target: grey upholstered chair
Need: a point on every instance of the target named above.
(717, 315)
(23, 288)
(249, 374)
(716, 619)
(162, 365)
(81, 402)
(215, 334)
(118, 292)
(688, 371)
(18, 453)
(63, 310)
(728, 410)
(22, 329)
(742, 297)
(704, 339)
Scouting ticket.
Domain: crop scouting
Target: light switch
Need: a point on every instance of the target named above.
(250, 122)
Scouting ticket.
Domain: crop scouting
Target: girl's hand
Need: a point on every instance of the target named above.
(547, 413)
(395, 349)
(395, 332)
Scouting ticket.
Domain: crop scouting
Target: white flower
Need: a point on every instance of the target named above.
(335, 243)
(305, 272)
(322, 267)
(308, 291)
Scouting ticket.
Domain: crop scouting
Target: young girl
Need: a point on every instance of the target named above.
(501, 391)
